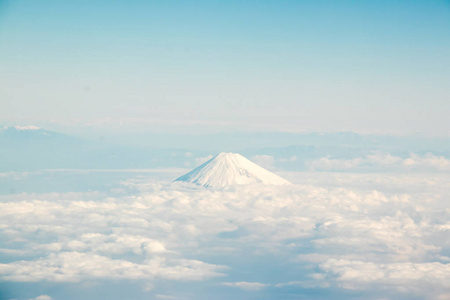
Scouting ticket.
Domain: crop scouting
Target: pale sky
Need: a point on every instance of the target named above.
(209, 66)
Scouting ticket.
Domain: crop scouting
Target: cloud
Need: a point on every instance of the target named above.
(75, 267)
(160, 296)
(428, 161)
(383, 161)
(330, 231)
(315, 280)
(42, 297)
(407, 277)
(293, 158)
(325, 163)
(248, 286)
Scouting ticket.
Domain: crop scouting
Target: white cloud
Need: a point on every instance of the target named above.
(428, 161)
(336, 231)
(326, 163)
(316, 280)
(160, 296)
(248, 286)
(75, 267)
(42, 297)
(27, 127)
(290, 159)
(406, 277)
(383, 161)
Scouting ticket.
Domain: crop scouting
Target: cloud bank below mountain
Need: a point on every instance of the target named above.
(389, 238)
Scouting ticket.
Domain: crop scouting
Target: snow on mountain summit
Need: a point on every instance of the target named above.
(230, 169)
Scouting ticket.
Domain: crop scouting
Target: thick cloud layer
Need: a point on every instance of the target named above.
(356, 235)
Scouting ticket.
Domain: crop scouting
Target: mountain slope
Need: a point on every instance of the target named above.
(230, 169)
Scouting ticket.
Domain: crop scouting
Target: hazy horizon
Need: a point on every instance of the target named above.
(296, 66)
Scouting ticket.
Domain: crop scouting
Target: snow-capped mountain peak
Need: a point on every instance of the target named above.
(230, 169)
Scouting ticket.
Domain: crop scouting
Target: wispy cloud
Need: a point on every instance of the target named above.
(248, 286)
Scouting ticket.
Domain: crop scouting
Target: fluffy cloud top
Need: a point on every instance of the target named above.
(369, 233)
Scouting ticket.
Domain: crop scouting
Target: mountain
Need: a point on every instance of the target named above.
(28, 148)
(230, 169)
(31, 134)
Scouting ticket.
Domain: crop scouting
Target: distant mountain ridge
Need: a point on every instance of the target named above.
(28, 147)
(29, 132)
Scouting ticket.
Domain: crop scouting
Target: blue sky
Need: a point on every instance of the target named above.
(209, 66)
